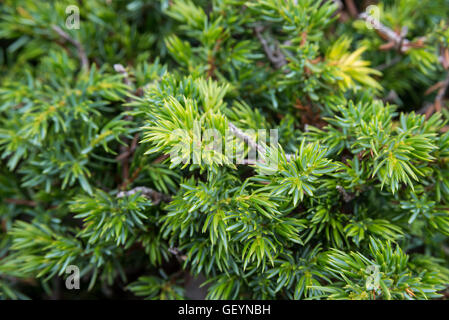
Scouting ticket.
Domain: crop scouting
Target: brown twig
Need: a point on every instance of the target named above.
(403, 45)
(399, 42)
(211, 60)
(23, 202)
(441, 92)
(134, 176)
(444, 57)
(126, 152)
(130, 150)
(79, 47)
(442, 87)
(352, 9)
(160, 158)
(391, 97)
(156, 197)
(276, 57)
(342, 15)
(175, 251)
(347, 196)
(308, 115)
(121, 69)
(396, 40)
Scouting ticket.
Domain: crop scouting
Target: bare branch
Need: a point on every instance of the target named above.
(175, 251)
(351, 8)
(126, 152)
(441, 93)
(276, 57)
(403, 45)
(79, 47)
(347, 196)
(156, 197)
(121, 69)
(23, 202)
(399, 41)
(430, 108)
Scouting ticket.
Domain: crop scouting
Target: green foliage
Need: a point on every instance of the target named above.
(106, 218)
(394, 278)
(157, 288)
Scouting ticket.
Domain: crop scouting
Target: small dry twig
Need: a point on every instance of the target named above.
(177, 253)
(156, 197)
(395, 40)
(276, 57)
(441, 92)
(79, 47)
(23, 202)
(126, 152)
(347, 196)
(351, 8)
